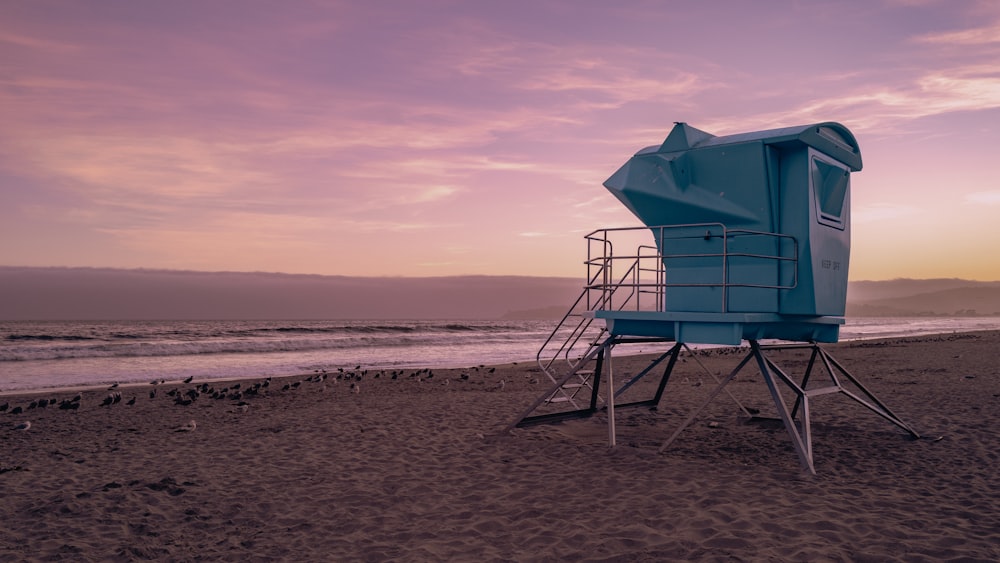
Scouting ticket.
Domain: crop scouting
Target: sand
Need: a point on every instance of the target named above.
(413, 469)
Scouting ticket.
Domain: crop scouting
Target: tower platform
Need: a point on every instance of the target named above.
(720, 328)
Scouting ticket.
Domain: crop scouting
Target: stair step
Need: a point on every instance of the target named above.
(557, 400)
(572, 385)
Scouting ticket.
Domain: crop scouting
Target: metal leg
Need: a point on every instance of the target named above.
(597, 378)
(805, 378)
(672, 353)
(711, 397)
(611, 401)
(712, 375)
(675, 351)
(802, 441)
(878, 408)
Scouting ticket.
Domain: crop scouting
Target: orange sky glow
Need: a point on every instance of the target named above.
(436, 138)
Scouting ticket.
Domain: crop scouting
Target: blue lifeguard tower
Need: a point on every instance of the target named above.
(747, 238)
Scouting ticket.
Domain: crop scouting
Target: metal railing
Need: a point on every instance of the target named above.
(647, 279)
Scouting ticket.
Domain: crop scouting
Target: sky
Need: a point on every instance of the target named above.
(436, 138)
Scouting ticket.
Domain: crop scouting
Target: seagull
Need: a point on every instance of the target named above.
(23, 426)
(189, 427)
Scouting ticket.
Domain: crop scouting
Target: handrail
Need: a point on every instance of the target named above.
(666, 236)
(577, 333)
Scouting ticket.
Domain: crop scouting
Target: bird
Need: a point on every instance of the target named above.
(499, 386)
(188, 380)
(23, 426)
(69, 405)
(189, 427)
(131, 401)
(355, 388)
(113, 386)
(152, 394)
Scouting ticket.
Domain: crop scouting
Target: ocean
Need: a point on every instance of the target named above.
(39, 355)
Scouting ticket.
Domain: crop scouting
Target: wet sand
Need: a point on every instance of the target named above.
(415, 468)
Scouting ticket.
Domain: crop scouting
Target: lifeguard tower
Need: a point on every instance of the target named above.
(746, 238)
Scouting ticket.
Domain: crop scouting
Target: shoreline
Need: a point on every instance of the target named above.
(59, 389)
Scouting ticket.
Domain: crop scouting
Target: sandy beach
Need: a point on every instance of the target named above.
(414, 468)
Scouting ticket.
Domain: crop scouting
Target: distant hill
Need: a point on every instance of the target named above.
(105, 294)
(973, 299)
(869, 291)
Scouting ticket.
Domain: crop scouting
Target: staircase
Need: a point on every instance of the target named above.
(571, 351)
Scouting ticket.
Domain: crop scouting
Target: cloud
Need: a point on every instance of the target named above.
(146, 166)
(885, 108)
(987, 35)
(983, 198)
(36, 43)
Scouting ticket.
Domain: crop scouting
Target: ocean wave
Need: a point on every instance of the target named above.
(151, 349)
(47, 337)
(385, 328)
(26, 341)
(209, 347)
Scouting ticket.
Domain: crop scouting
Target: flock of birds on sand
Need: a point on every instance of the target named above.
(233, 391)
